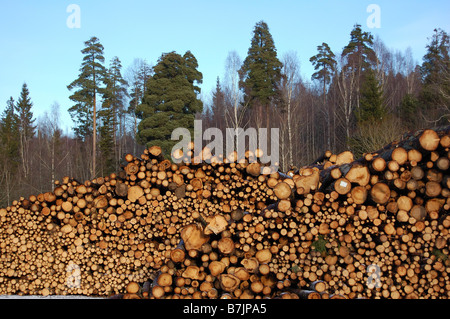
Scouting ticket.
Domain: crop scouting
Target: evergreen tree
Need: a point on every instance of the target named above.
(360, 56)
(107, 132)
(170, 100)
(9, 133)
(138, 75)
(435, 72)
(372, 107)
(111, 116)
(25, 125)
(359, 52)
(10, 151)
(25, 116)
(407, 110)
(325, 65)
(88, 85)
(218, 106)
(261, 70)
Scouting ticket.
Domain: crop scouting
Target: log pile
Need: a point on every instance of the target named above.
(374, 227)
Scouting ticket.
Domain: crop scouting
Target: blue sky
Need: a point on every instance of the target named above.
(37, 46)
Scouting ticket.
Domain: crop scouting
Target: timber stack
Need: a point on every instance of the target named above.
(373, 227)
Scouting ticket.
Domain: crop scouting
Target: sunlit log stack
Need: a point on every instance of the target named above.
(373, 227)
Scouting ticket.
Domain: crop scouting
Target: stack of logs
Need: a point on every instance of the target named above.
(375, 227)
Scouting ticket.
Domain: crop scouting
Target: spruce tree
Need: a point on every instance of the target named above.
(106, 133)
(9, 133)
(25, 116)
(372, 109)
(10, 151)
(25, 125)
(170, 100)
(88, 84)
(407, 110)
(218, 106)
(109, 115)
(261, 69)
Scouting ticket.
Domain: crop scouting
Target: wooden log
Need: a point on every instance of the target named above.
(193, 237)
(228, 282)
(282, 190)
(155, 151)
(359, 194)
(429, 140)
(132, 287)
(121, 189)
(134, 193)
(342, 186)
(217, 224)
(380, 193)
(345, 157)
(358, 174)
(226, 245)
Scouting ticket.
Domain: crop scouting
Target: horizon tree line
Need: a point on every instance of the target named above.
(359, 98)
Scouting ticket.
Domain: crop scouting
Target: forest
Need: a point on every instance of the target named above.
(360, 98)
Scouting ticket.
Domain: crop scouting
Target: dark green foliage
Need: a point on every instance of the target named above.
(24, 114)
(408, 109)
(10, 155)
(359, 52)
(88, 84)
(9, 134)
(170, 100)
(371, 104)
(324, 63)
(25, 126)
(435, 72)
(113, 105)
(217, 111)
(106, 143)
(261, 70)
(319, 245)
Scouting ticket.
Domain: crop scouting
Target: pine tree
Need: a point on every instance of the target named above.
(25, 125)
(261, 70)
(359, 51)
(360, 56)
(435, 72)
(88, 84)
(325, 65)
(170, 100)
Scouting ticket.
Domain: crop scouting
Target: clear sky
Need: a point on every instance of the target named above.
(38, 47)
